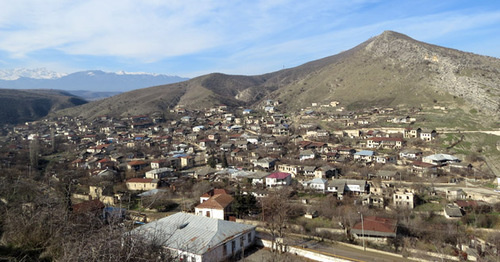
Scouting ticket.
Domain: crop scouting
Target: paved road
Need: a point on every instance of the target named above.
(340, 250)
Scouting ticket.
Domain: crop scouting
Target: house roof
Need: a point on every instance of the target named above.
(453, 211)
(215, 191)
(192, 233)
(423, 164)
(219, 201)
(279, 175)
(365, 153)
(441, 158)
(307, 152)
(376, 226)
(310, 168)
(318, 181)
(141, 180)
(137, 163)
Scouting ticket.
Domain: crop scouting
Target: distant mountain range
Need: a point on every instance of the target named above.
(94, 80)
(36, 73)
(391, 69)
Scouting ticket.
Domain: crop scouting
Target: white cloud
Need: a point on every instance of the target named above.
(148, 30)
(240, 36)
(123, 28)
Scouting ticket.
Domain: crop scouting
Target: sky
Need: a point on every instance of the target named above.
(191, 38)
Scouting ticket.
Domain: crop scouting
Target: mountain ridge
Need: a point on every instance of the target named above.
(390, 69)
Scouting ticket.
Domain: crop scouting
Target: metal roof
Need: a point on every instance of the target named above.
(191, 233)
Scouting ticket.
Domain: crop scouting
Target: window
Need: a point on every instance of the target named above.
(224, 250)
(249, 237)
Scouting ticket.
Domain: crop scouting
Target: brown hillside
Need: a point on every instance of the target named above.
(18, 106)
(388, 70)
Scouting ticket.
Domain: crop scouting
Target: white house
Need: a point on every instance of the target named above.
(384, 142)
(159, 173)
(439, 159)
(306, 154)
(258, 177)
(428, 135)
(364, 155)
(316, 184)
(410, 154)
(193, 238)
(266, 162)
(142, 184)
(217, 206)
(347, 186)
(198, 128)
(292, 169)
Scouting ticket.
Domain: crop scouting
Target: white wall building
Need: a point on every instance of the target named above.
(194, 238)
(404, 199)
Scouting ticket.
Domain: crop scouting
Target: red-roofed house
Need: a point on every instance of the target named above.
(137, 165)
(213, 192)
(375, 227)
(218, 206)
(278, 179)
(423, 167)
(105, 163)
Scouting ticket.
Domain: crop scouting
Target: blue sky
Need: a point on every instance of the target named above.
(191, 38)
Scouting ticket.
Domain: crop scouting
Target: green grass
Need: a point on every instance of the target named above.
(429, 207)
(484, 144)
(451, 119)
(490, 185)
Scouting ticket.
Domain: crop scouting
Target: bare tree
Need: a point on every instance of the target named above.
(276, 211)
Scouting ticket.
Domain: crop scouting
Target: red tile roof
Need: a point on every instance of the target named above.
(279, 175)
(137, 162)
(215, 191)
(378, 224)
(140, 180)
(423, 164)
(220, 201)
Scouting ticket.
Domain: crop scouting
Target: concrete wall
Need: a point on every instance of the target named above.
(81, 196)
(304, 252)
(330, 230)
(214, 213)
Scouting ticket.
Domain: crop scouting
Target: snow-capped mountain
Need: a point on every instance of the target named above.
(35, 73)
(92, 80)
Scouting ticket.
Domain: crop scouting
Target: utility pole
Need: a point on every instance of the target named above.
(363, 230)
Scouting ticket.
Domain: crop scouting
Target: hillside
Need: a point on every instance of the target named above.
(18, 106)
(393, 69)
(387, 70)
